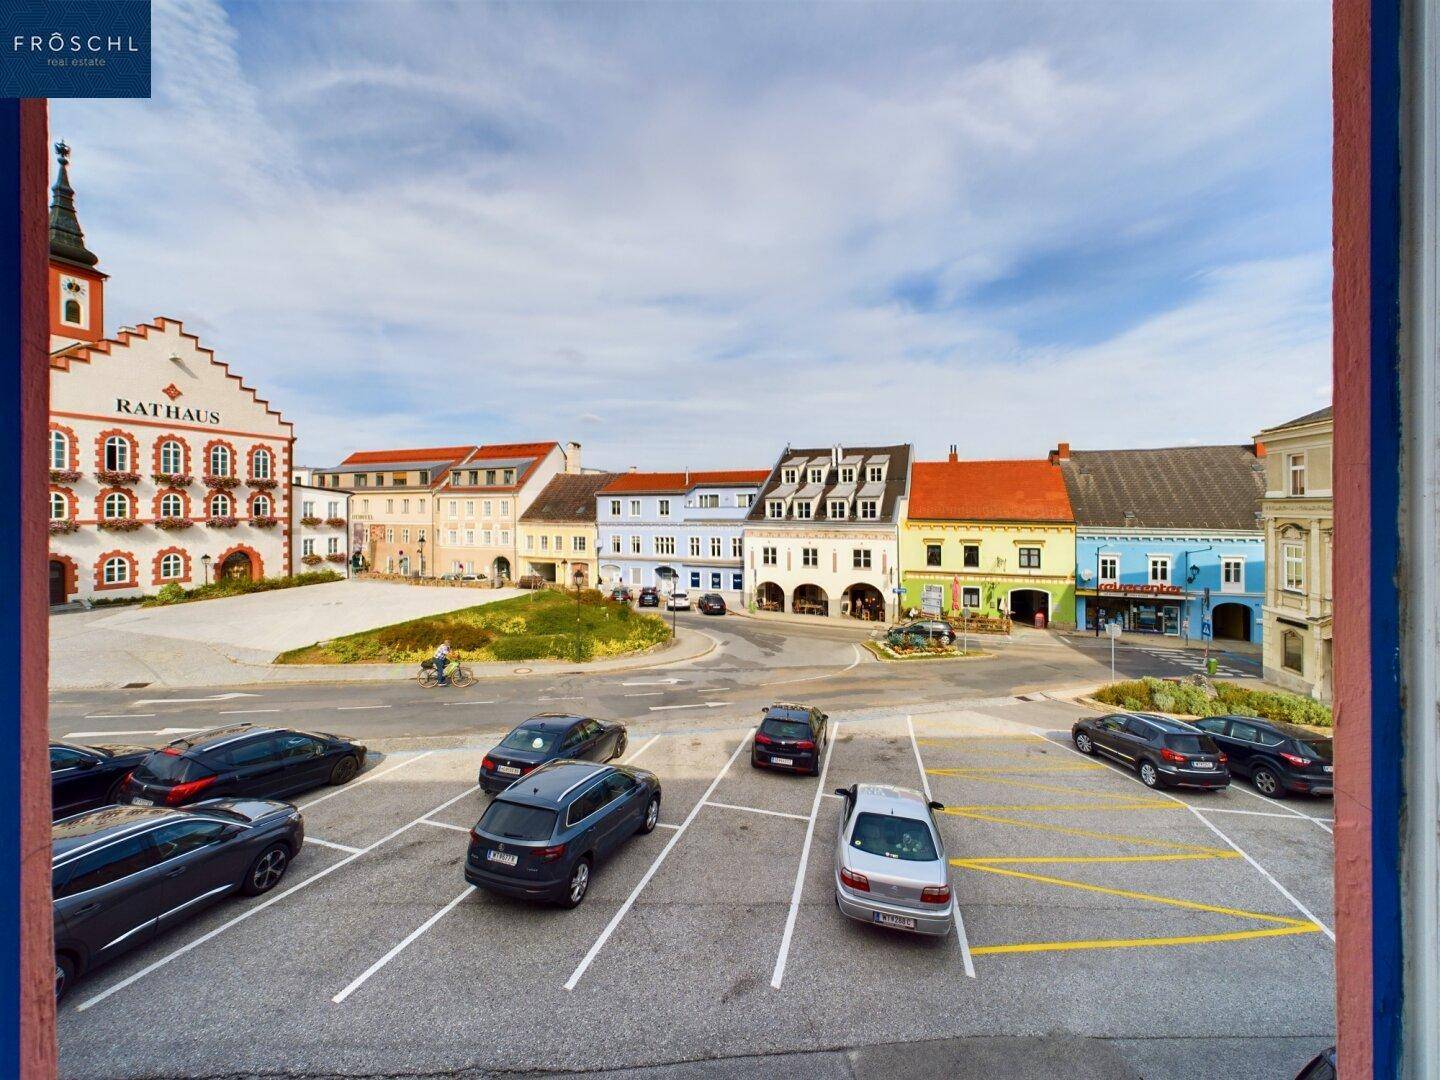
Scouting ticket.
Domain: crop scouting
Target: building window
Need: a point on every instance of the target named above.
(709, 502)
(1159, 569)
(117, 453)
(404, 536)
(172, 506)
(454, 507)
(453, 536)
(171, 566)
(559, 542)
(862, 558)
(970, 596)
(695, 547)
(116, 571)
(485, 508)
(1030, 558)
(389, 506)
(72, 312)
(715, 547)
(307, 508)
(1292, 560)
(59, 508)
(694, 579)
(390, 536)
(530, 543)
(837, 509)
(614, 507)
(664, 545)
(221, 461)
(876, 473)
(509, 476)
(1295, 467)
(664, 507)
(172, 457)
(634, 575)
(361, 480)
(1292, 651)
(117, 505)
(789, 476)
(803, 510)
(932, 554)
(715, 580)
(307, 546)
(736, 582)
(404, 506)
(544, 542)
(847, 475)
(59, 450)
(489, 476)
(260, 464)
(615, 543)
(809, 556)
(970, 556)
(220, 505)
(504, 508)
(1110, 568)
(578, 543)
(1232, 574)
(332, 545)
(817, 476)
(869, 509)
(634, 545)
(744, 499)
(737, 547)
(634, 507)
(260, 506)
(768, 556)
(775, 508)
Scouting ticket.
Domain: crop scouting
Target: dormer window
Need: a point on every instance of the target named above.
(803, 510)
(489, 476)
(869, 509)
(847, 474)
(775, 508)
(509, 476)
(817, 475)
(789, 476)
(837, 510)
(424, 476)
(875, 473)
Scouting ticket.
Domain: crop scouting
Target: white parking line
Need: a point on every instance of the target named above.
(410, 937)
(467, 703)
(778, 975)
(757, 810)
(245, 712)
(359, 708)
(443, 825)
(331, 844)
(816, 678)
(1250, 813)
(665, 825)
(716, 690)
(698, 705)
(961, 936)
(120, 716)
(353, 784)
(267, 902)
(646, 746)
(650, 873)
(651, 682)
(1289, 810)
(649, 693)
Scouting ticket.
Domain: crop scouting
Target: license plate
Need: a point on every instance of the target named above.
(1329, 768)
(508, 770)
(894, 920)
(1204, 764)
(782, 761)
(503, 858)
(142, 802)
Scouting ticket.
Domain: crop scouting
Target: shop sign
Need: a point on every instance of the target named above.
(1118, 587)
(166, 412)
(932, 599)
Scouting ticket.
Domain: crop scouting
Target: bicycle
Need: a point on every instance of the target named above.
(426, 677)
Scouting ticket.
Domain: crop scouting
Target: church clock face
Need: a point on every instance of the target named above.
(74, 301)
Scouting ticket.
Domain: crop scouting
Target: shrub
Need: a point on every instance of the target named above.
(169, 594)
(1191, 700)
(591, 597)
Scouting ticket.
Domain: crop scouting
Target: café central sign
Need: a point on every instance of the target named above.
(166, 412)
(1115, 586)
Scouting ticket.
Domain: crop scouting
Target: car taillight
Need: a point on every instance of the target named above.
(762, 738)
(804, 744)
(488, 764)
(1294, 759)
(1223, 759)
(182, 792)
(475, 836)
(935, 894)
(1166, 754)
(550, 854)
(170, 751)
(858, 882)
(125, 780)
(527, 768)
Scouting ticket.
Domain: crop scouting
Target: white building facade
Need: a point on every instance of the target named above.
(320, 529)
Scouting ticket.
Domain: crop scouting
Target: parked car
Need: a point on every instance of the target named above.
(1165, 752)
(790, 737)
(930, 629)
(543, 839)
(83, 777)
(711, 604)
(890, 867)
(649, 596)
(621, 594)
(532, 581)
(679, 600)
(1277, 758)
(124, 874)
(242, 760)
(1322, 1066)
(550, 737)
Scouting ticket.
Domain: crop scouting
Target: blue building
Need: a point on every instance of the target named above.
(1169, 541)
(676, 530)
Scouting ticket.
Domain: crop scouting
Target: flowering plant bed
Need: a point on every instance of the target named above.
(223, 483)
(1200, 696)
(172, 524)
(63, 476)
(311, 560)
(310, 521)
(120, 524)
(337, 557)
(263, 485)
(111, 476)
(264, 522)
(336, 522)
(935, 651)
(174, 594)
(172, 479)
(222, 522)
(66, 526)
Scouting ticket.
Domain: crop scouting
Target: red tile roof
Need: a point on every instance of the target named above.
(429, 453)
(988, 491)
(680, 482)
(518, 450)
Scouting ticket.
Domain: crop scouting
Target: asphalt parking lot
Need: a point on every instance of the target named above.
(1165, 935)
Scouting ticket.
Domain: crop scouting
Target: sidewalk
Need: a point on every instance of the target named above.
(1165, 641)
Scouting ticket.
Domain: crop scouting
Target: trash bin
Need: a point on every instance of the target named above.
(1040, 620)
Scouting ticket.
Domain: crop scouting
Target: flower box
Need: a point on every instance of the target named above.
(111, 477)
(172, 479)
(261, 485)
(222, 483)
(171, 524)
(63, 476)
(311, 560)
(337, 557)
(120, 524)
(309, 521)
(67, 526)
(336, 522)
(226, 522)
(264, 522)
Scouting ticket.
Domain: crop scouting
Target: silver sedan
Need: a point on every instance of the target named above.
(890, 867)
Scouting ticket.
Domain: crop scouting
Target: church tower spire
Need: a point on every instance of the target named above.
(67, 240)
(76, 288)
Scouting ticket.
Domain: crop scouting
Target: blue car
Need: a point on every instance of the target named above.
(549, 737)
(542, 838)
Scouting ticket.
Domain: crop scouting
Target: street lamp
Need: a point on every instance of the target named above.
(205, 562)
(401, 555)
(422, 554)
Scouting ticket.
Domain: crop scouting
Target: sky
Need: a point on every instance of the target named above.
(689, 234)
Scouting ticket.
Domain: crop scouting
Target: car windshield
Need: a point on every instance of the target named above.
(1190, 744)
(906, 839)
(1319, 748)
(528, 738)
(785, 729)
(517, 821)
(170, 768)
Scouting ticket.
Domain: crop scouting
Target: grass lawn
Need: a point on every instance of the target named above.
(542, 625)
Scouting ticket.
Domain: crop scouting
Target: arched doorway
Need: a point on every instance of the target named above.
(404, 565)
(770, 597)
(666, 578)
(610, 574)
(861, 601)
(1231, 622)
(1026, 604)
(238, 565)
(59, 592)
(500, 568)
(810, 600)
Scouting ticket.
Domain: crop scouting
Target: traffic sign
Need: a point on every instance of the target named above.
(1112, 629)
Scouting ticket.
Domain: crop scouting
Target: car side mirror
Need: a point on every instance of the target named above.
(936, 805)
(824, 716)
(844, 793)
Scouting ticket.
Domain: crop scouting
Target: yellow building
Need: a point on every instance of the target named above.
(556, 535)
(990, 537)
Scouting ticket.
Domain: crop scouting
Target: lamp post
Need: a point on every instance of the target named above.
(403, 569)
(421, 546)
(205, 562)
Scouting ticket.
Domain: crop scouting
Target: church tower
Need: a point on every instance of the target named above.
(77, 289)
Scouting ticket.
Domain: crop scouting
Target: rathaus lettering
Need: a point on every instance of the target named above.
(166, 412)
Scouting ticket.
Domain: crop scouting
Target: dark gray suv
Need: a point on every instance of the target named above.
(542, 838)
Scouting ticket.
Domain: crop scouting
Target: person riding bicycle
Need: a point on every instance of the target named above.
(442, 661)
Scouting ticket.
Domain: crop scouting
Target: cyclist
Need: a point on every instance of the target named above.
(442, 660)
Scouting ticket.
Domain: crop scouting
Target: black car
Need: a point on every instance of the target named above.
(542, 839)
(124, 874)
(1322, 1066)
(937, 630)
(711, 604)
(83, 777)
(549, 737)
(1277, 758)
(790, 737)
(1165, 752)
(649, 596)
(263, 762)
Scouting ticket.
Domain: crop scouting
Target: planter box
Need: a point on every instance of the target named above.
(63, 476)
(172, 479)
(113, 478)
(120, 524)
(170, 524)
(58, 528)
(222, 483)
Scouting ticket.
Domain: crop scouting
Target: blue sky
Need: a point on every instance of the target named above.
(687, 234)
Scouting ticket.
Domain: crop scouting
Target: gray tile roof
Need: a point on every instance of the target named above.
(895, 486)
(568, 497)
(1183, 487)
(1309, 418)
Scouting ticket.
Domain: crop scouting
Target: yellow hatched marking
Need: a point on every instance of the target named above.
(976, 772)
(1141, 943)
(1142, 841)
(979, 864)
(1138, 804)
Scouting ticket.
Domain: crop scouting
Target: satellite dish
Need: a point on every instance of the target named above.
(1086, 574)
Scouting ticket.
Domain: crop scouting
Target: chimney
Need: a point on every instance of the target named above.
(1060, 454)
(954, 452)
(1259, 448)
(572, 457)
(632, 469)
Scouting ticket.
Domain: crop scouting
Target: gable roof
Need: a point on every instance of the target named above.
(567, 497)
(1023, 490)
(894, 459)
(422, 455)
(677, 483)
(513, 450)
(1315, 417)
(1182, 487)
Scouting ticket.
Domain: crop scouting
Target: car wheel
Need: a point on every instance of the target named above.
(754, 762)
(266, 871)
(113, 795)
(578, 885)
(1149, 775)
(652, 815)
(1267, 783)
(621, 745)
(946, 640)
(1083, 743)
(345, 770)
(64, 975)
